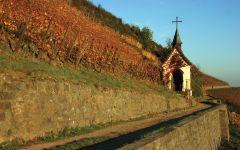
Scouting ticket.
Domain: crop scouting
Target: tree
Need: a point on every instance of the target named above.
(136, 30)
(165, 52)
(169, 44)
(146, 37)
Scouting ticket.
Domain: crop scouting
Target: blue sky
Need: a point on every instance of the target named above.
(210, 31)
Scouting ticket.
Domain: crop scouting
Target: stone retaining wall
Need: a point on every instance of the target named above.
(203, 131)
(34, 106)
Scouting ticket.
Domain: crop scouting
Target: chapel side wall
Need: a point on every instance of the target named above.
(42, 105)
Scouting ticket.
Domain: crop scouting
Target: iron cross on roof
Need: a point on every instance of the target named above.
(177, 21)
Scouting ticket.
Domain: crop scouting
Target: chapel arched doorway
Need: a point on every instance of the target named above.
(177, 80)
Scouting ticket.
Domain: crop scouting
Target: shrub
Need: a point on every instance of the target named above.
(196, 86)
(62, 33)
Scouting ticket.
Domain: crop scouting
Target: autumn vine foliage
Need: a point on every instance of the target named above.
(64, 34)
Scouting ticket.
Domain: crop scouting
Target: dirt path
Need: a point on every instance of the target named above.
(121, 129)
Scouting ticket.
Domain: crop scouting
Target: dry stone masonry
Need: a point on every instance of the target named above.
(34, 106)
(203, 131)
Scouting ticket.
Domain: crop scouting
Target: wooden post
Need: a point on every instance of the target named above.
(63, 40)
(81, 48)
(74, 44)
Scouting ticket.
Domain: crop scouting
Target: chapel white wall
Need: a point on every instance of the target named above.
(186, 78)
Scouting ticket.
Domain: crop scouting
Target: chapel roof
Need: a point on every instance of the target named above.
(176, 40)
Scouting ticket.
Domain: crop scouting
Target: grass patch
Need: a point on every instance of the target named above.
(69, 132)
(80, 144)
(22, 62)
(152, 133)
(65, 133)
(14, 145)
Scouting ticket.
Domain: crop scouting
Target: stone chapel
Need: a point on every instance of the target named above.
(177, 68)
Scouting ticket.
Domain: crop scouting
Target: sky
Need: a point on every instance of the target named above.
(210, 30)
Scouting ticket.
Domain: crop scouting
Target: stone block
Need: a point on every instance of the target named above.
(5, 105)
(7, 95)
(2, 115)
